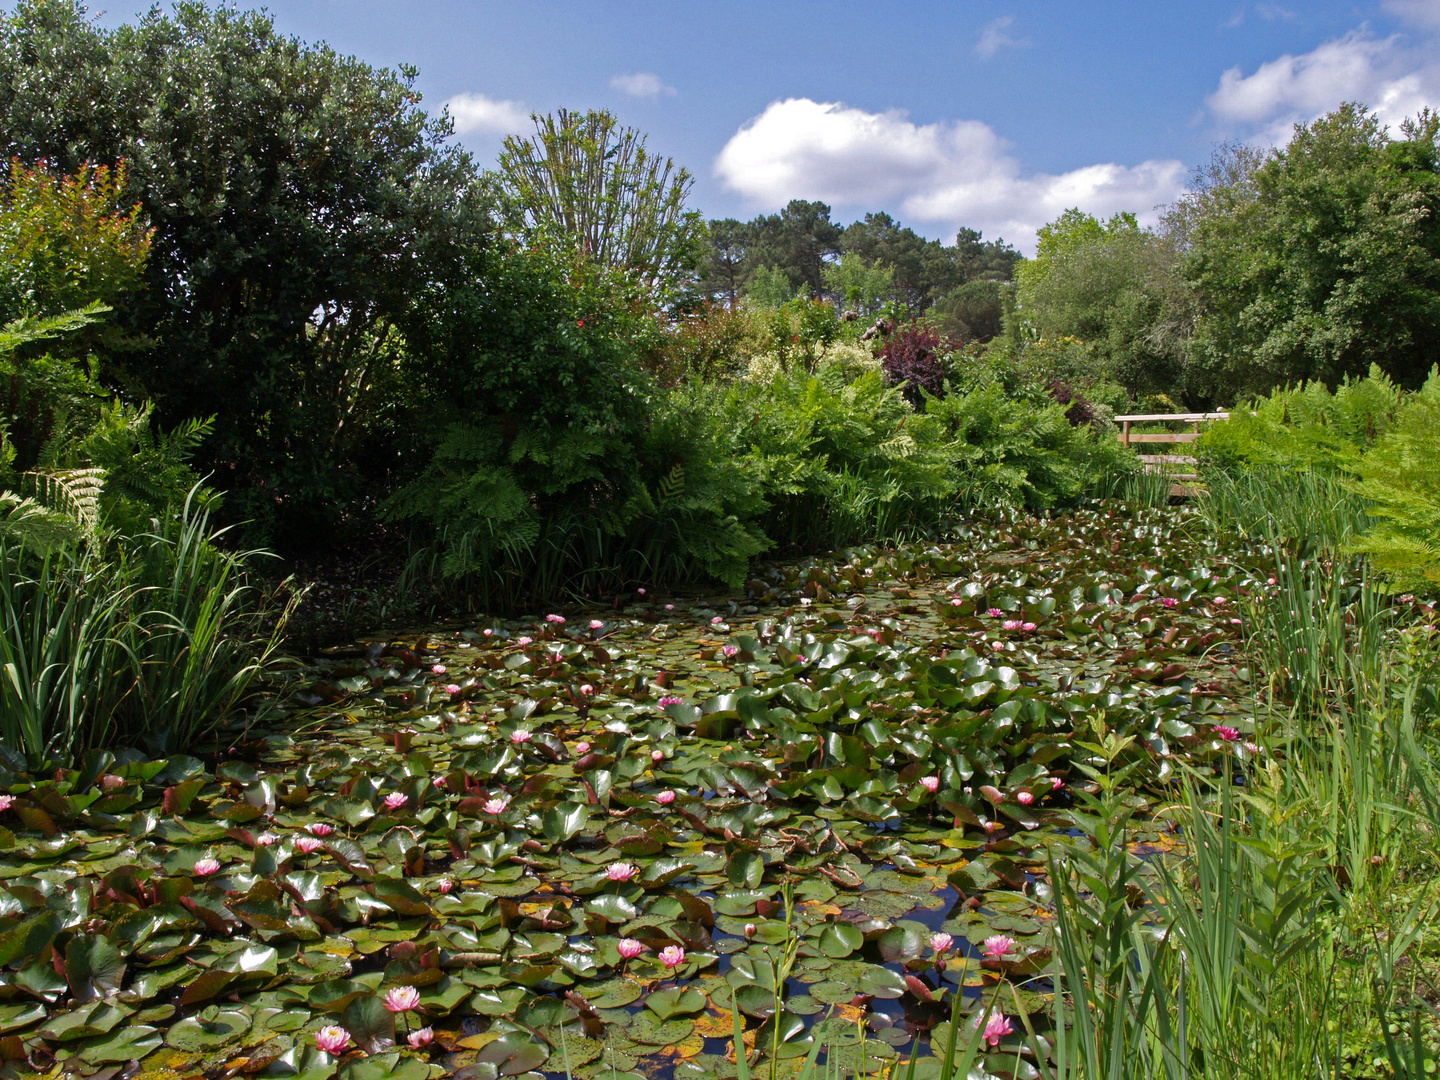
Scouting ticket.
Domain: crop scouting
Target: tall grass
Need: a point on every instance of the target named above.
(148, 641)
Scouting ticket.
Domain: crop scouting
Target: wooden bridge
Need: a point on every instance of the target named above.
(1162, 463)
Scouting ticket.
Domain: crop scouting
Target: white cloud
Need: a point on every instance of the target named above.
(948, 174)
(476, 112)
(1424, 13)
(1383, 73)
(993, 38)
(642, 84)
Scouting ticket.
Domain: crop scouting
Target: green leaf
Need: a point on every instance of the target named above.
(685, 1001)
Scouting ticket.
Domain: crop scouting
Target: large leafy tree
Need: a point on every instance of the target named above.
(585, 180)
(1319, 259)
(1117, 287)
(298, 198)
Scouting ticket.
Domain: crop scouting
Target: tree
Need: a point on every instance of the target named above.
(798, 241)
(860, 286)
(923, 269)
(299, 200)
(1117, 287)
(722, 265)
(585, 180)
(1319, 259)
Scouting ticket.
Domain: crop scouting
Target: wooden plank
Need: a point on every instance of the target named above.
(1166, 459)
(1166, 437)
(1184, 418)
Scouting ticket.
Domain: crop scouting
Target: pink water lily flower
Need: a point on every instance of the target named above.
(621, 871)
(437, 669)
(1056, 783)
(717, 620)
(424, 1037)
(206, 867)
(396, 800)
(6, 801)
(332, 1039)
(445, 885)
(1028, 627)
(487, 632)
(994, 613)
(265, 839)
(320, 829)
(586, 689)
(520, 736)
(437, 782)
(1169, 601)
(452, 689)
(665, 798)
(523, 640)
(669, 607)
(582, 748)
(998, 946)
(597, 624)
(730, 650)
(1229, 734)
(308, 844)
(1011, 624)
(496, 806)
(402, 999)
(629, 948)
(657, 756)
(957, 602)
(996, 1028)
(941, 943)
(670, 699)
(930, 783)
(997, 646)
(641, 591)
(1024, 798)
(556, 619)
(672, 956)
(750, 931)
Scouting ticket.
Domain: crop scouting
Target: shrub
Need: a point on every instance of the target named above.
(916, 357)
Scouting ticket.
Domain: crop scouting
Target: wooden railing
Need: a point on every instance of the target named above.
(1161, 462)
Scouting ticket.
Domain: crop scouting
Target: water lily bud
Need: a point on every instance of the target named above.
(750, 929)
(420, 1038)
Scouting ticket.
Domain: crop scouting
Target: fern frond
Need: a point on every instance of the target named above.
(73, 492)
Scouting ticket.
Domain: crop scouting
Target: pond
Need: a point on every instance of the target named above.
(585, 837)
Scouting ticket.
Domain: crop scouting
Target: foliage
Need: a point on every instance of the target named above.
(67, 242)
(592, 185)
(1304, 427)
(149, 641)
(1400, 477)
(1321, 259)
(1116, 287)
(859, 286)
(298, 198)
(917, 357)
(1024, 450)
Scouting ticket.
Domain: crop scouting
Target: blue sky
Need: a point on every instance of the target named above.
(990, 114)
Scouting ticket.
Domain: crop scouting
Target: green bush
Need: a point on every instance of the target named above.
(1400, 475)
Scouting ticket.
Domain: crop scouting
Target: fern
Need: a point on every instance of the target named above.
(35, 526)
(1401, 477)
